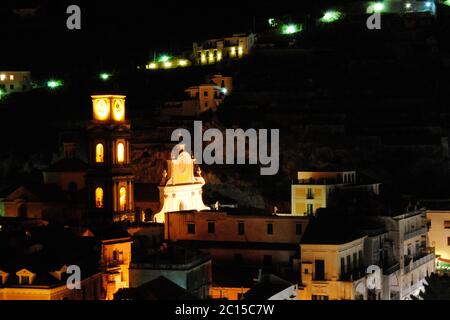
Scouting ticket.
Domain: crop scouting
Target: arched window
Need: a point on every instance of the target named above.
(99, 198)
(99, 153)
(120, 152)
(122, 198)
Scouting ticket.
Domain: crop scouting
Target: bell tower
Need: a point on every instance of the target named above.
(180, 187)
(109, 177)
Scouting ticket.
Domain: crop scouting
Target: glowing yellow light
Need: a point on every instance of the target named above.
(182, 63)
(240, 51)
(203, 58)
(99, 198)
(219, 56)
(167, 64)
(101, 110)
(119, 110)
(120, 152)
(233, 51)
(11, 77)
(2, 77)
(153, 65)
(211, 57)
(99, 153)
(122, 198)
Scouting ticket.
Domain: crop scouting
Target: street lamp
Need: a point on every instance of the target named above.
(53, 84)
(105, 76)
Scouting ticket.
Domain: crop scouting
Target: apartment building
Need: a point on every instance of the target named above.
(215, 50)
(313, 190)
(15, 81)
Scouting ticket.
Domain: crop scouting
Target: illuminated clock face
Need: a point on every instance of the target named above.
(119, 111)
(101, 110)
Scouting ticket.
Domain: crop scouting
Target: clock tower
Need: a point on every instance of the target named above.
(109, 178)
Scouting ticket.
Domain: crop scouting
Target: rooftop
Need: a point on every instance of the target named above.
(361, 179)
(160, 288)
(234, 276)
(45, 249)
(204, 244)
(172, 257)
(112, 232)
(333, 228)
(267, 288)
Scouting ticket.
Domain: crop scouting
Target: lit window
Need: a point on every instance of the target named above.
(120, 152)
(99, 152)
(99, 198)
(241, 51)
(11, 77)
(233, 51)
(122, 198)
(2, 77)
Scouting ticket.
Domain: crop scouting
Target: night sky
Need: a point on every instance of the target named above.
(121, 33)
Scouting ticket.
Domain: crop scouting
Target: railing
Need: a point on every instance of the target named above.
(420, 261)
(391, 269)
(408, 288)
(116, 262)
(177, 264)
(415, 233)
(416, 286)
(354, 275)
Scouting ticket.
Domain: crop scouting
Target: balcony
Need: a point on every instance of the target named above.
(115, 263)
(408, 289)
(415, 233)
(417, 262)
(354, 275)
(391, 269)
